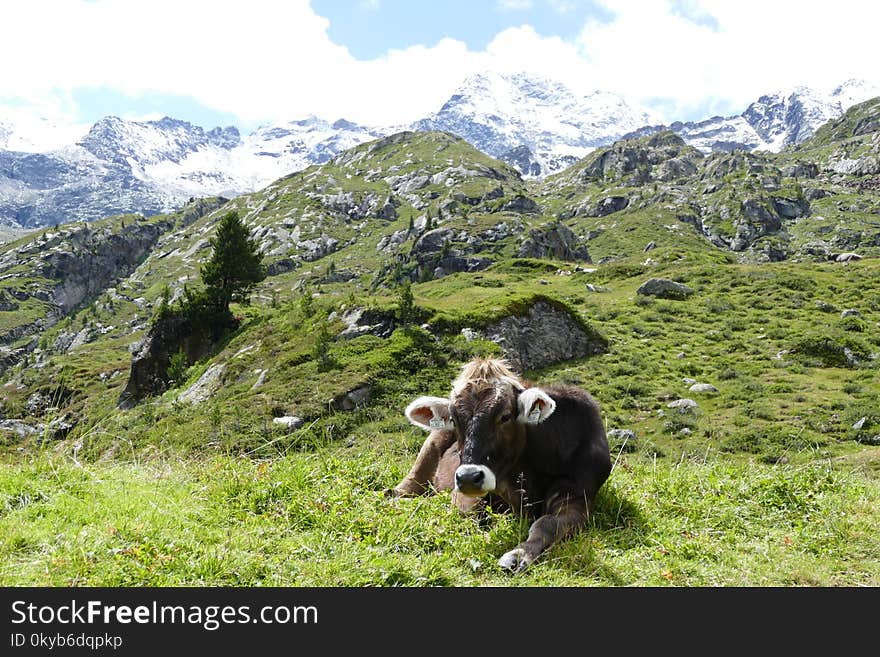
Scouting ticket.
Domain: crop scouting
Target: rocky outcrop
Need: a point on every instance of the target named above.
(432, 241)
(789, 208)
(863, 166)
(554, 241)
(757, 218)
(318, 248)
(7, 302)
(520, 203)
(90, 263)
(18, 428)
(151, 357)
(455, 264)
(69, 268)
(56, 429)
(664, 289)
(349, 401)
(364, 321)
(661, 157)
(544, 335)
(719, 165)
(198, 208)
(441, 251)
(608, 205)
(204, 387)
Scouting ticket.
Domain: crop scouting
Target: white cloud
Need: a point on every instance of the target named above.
(648, 50)
(270, 60)
(264, 60)
(523, 49)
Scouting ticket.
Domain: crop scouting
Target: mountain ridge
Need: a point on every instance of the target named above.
(772, 122)
(536, 125)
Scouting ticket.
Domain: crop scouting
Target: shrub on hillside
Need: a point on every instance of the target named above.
(831, 349)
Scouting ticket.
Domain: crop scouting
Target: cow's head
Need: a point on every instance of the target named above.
(488, 410)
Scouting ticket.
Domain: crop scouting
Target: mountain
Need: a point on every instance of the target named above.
(184, 160)
(538, 125)
(772, 122)
(150, 167)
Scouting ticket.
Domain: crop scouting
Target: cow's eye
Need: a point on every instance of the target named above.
(505, 418)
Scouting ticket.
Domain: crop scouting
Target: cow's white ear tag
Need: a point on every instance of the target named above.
(535, 415)
(437, 423)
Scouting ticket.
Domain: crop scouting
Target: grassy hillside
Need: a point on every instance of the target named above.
(771, 480)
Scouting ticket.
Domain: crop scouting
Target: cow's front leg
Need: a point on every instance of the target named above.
(545, 531)
(423, 470)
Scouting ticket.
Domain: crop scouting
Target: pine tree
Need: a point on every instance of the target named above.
(321, 350)
(407, 312)
(235, 266)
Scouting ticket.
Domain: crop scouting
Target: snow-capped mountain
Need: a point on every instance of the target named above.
(142, 143)
(154, 166)
(773, 121)
(52, 173)
(538, 125)
(184, 160)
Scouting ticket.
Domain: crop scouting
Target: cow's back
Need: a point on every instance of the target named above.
(569, 447)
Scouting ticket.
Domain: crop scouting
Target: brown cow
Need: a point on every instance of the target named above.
(541, 450)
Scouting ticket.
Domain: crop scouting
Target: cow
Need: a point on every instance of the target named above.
(540, 451)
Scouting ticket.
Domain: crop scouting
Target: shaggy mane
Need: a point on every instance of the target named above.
(491, 371)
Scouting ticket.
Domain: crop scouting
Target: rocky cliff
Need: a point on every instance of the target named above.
(52, 274)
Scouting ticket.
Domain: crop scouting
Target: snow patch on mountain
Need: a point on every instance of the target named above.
(538, 125)
(773, 121)
(256, 160)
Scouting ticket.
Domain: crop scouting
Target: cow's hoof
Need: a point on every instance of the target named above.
(515, 561)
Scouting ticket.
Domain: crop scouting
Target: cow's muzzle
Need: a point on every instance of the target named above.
(474, 480)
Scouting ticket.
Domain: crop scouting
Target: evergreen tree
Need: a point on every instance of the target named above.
(235, 266)
(321, 350)
(407, 313)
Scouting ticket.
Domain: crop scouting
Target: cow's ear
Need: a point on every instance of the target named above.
(430, 413)
(535, 406)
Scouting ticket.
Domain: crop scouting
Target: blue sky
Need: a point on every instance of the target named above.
(389, 62)
(370, 28)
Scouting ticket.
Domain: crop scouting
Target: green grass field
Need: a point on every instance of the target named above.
(320, 519)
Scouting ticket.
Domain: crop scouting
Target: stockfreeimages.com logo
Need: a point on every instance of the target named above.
(210, 617)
